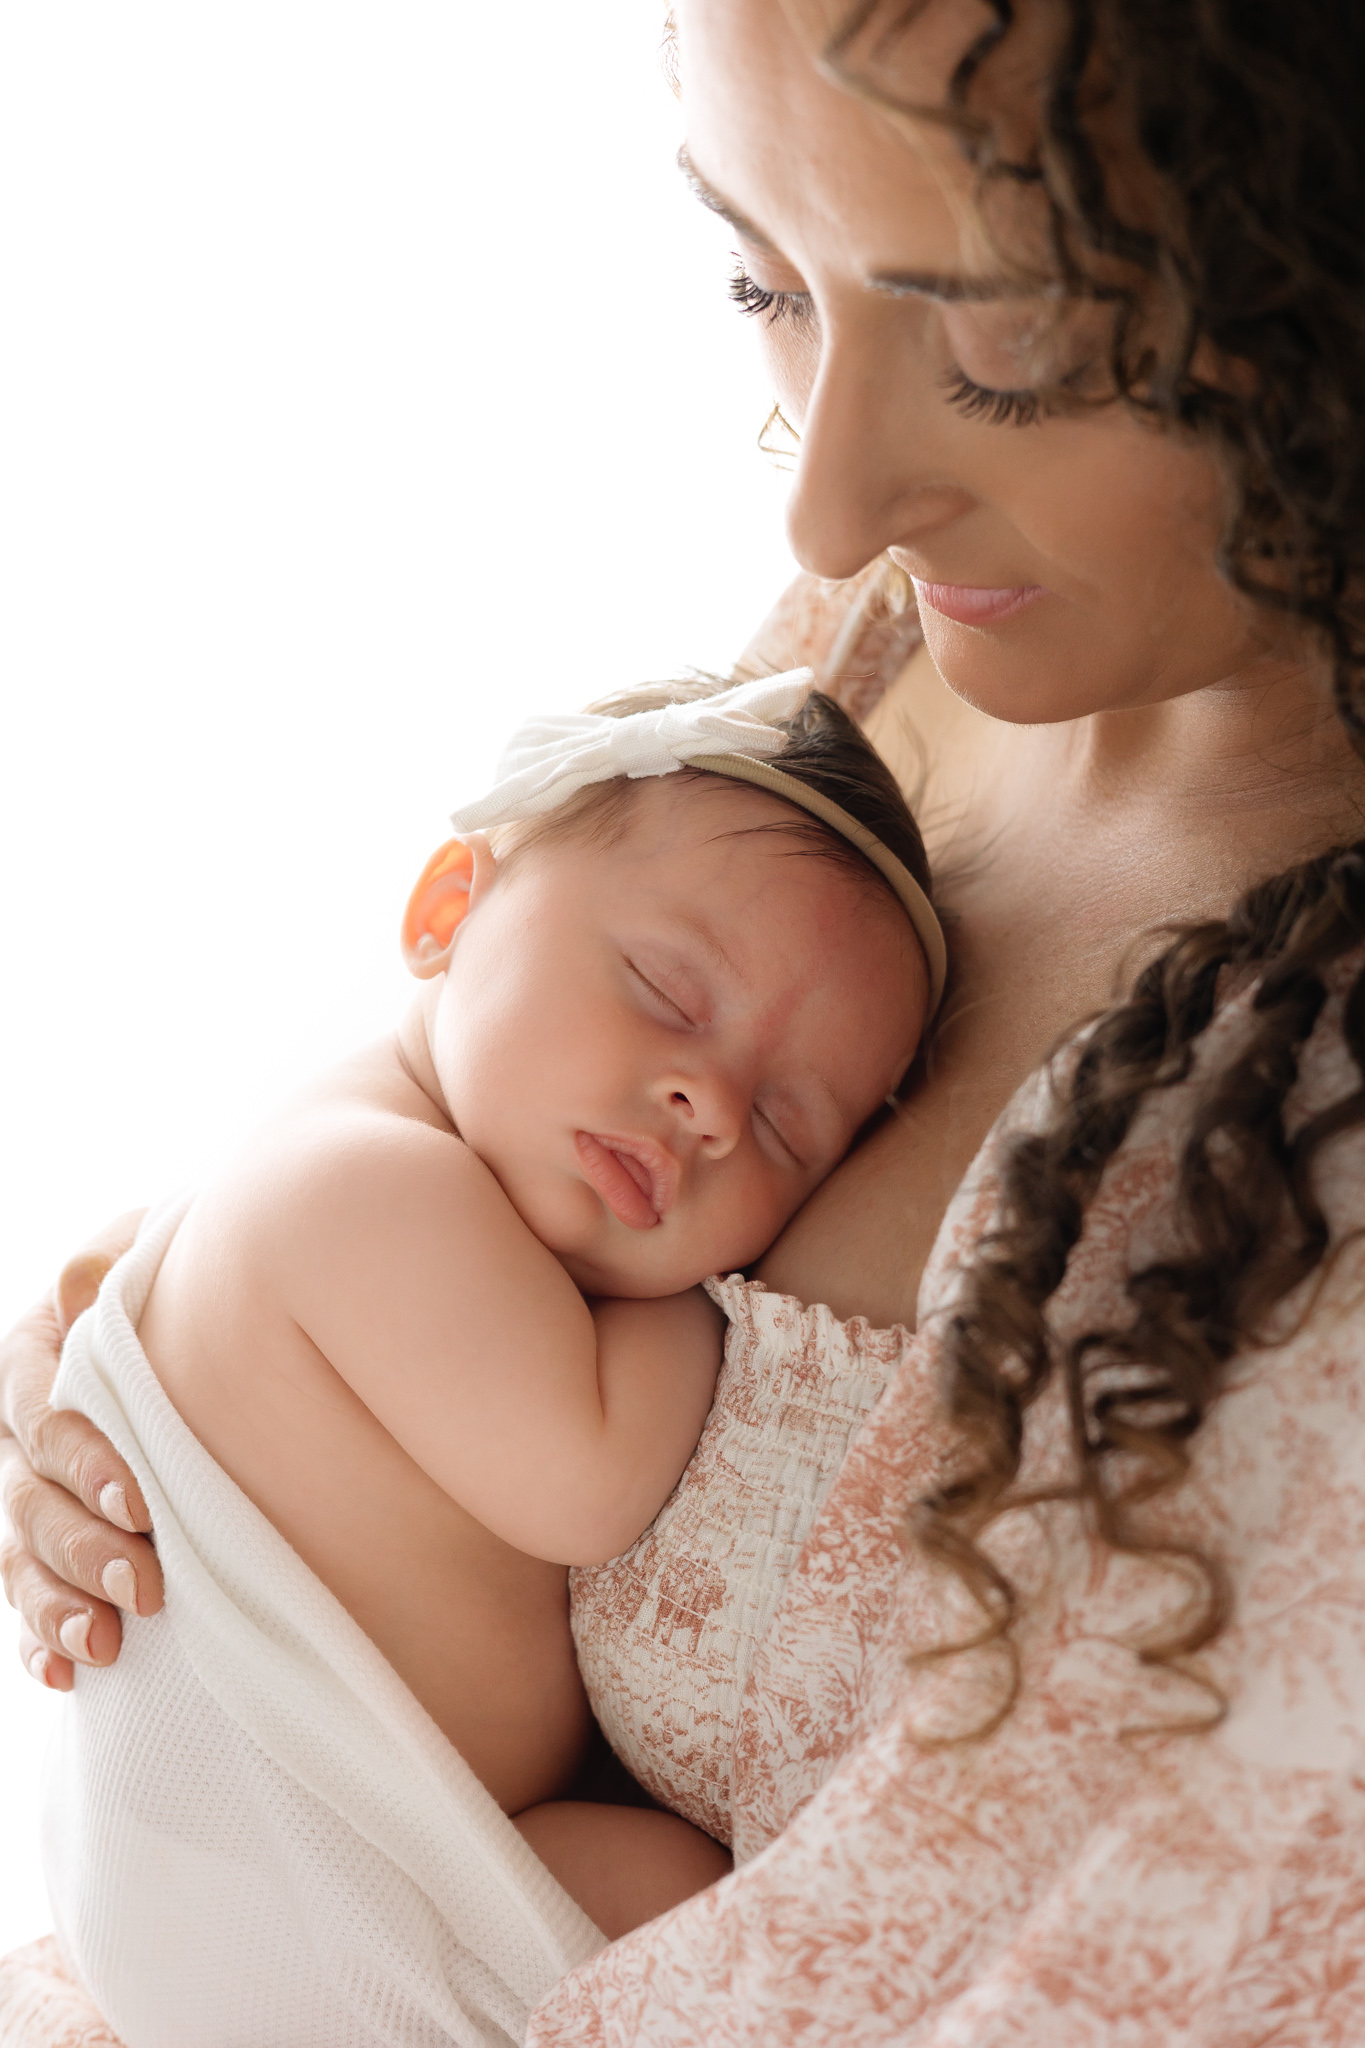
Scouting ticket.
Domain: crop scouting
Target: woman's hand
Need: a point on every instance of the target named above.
(72, 1556)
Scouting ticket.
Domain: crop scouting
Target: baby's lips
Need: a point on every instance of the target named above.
(634, 1179)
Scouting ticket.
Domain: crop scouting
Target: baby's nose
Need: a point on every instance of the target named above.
(709, 1109)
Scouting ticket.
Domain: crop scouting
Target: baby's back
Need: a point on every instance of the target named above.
(254, 1832)
(477, 1630)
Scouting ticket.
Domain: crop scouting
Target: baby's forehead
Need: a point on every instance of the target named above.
(775, 888)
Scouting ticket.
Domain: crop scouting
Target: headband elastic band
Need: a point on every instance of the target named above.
(912, 898)
(738, 731)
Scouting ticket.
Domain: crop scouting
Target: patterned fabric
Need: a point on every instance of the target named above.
(1086, 1877)
(41, 2006)
(857, 635)
(666, 1633)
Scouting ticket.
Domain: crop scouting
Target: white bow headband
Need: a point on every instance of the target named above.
(734, 733)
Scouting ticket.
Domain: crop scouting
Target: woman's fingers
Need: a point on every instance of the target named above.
(61, 1486)
(75, 1550)
(60, 1627)
(57, 1673)
(77, 1285)
(80, 1278)
(68, 1449)
(61, 1447)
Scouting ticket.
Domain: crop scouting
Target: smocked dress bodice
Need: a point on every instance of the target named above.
(667, 1633)
(1112, 1864)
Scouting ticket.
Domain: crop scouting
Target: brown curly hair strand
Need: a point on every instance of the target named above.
(1249, 117)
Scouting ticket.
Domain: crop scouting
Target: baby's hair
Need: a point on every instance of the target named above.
(824, 751)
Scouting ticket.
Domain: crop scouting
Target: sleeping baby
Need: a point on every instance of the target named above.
(439, 1333)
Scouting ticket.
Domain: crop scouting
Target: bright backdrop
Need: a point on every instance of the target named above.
(366, 381)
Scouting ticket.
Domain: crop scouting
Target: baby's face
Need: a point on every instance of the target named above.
(661, 1046)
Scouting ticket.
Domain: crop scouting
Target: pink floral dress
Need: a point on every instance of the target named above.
(1080, 1879)
(1085, 1876)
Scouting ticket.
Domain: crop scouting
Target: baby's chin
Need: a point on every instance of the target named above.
(643, 1277)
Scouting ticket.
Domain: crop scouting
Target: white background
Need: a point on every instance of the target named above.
(366, 380)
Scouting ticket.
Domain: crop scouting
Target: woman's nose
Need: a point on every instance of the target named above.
(708, 1108)
(873, 470)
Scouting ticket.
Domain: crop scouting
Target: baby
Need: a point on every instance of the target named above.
(442, 1321)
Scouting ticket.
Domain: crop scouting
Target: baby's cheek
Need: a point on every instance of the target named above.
(758, 1210)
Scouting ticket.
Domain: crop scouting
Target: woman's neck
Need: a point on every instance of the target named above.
(1060, 853)
(1258, 761)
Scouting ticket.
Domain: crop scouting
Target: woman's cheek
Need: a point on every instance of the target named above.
(792, 359)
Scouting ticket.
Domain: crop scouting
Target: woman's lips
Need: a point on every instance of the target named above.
(971, 604)
(636, 1179)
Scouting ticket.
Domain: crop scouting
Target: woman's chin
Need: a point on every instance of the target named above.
(1017, 684)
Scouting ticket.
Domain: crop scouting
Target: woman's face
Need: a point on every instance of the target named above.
(1066, 564)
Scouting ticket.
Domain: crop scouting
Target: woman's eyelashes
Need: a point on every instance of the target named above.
(1000, 408)
(1077, 390)
(753, 300)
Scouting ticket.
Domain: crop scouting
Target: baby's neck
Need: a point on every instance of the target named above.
(412, 1055)
(395, 1074)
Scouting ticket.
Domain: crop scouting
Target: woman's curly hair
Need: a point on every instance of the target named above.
(1247, 121)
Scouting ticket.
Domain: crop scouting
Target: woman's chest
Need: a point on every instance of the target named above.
(1025, 969)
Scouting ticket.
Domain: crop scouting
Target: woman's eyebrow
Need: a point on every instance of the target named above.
(957, 290)
(716, 202)
(927, 284)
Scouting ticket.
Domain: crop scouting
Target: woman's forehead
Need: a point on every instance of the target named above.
(781, 146)
(802, 163)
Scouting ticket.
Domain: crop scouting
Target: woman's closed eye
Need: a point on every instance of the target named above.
(755, 300)
(1000, 408)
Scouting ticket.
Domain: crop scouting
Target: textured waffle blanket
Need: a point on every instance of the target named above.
(254, 1835)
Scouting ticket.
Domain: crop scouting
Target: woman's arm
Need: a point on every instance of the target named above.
(1218, 1902)
(71, 1556)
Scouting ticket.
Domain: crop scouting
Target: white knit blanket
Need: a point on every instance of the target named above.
(254, 1836)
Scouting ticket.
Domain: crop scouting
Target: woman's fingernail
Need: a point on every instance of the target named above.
(74, 1635)
(114, 1506)
(37, 1665)
(119, 1581)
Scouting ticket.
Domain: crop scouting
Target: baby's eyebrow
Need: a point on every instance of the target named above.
(697, 929)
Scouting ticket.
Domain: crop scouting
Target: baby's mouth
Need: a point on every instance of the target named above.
(634, 1178)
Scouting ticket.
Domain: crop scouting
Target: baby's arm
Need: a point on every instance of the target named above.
(562, 1428)
(623, 1864)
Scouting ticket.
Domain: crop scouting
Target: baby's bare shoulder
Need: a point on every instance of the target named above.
(337, 1195)
(337, 1170)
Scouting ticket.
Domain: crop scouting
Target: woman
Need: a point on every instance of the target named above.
(1068, 304)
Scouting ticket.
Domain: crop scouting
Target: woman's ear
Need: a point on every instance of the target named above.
(448, 887)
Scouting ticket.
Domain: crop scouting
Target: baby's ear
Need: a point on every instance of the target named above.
(449, 885)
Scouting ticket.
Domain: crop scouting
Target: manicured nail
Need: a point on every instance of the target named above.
(74, 1635)
(119, 1581)
(37, 1665)
(114, 1506)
